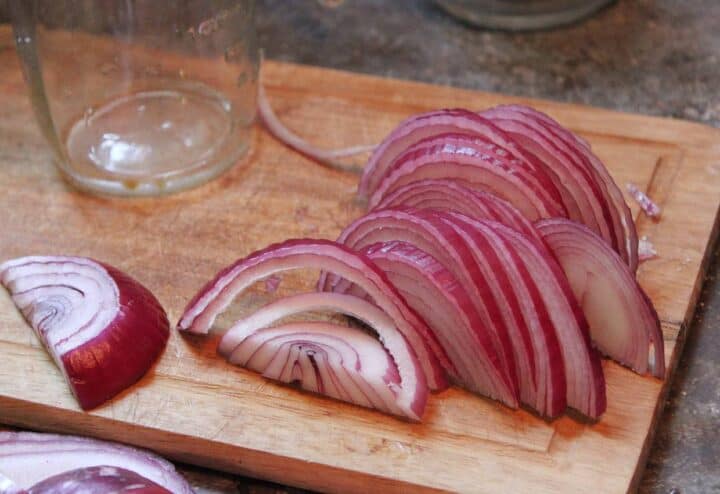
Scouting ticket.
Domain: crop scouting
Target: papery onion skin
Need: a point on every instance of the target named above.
(27, 458)
(411, 336)
(97, 480)
(122, 352)
(613, 301)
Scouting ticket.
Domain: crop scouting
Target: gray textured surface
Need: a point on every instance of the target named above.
(657, 57)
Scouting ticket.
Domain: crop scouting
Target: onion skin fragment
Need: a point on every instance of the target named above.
(29, 458)
(127, 333)
(408, 344)
(97, 480)
(623, 323)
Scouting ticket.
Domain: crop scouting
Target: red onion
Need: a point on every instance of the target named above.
(27, 458)
(441, 300)
(621, 213)
(478, 164)
(336, 361)
(97, 480)
(219, 292)
(623, 322)
(103, 329)
(535, 342)
(448, 195)
(440, 242)
(646, 250)
(650, 208)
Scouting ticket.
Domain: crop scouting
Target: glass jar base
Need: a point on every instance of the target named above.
(151, 142)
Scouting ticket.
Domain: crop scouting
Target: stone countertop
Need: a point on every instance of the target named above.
(656, 57)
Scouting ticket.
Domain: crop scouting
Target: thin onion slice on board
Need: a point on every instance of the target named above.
(325, 358)
(623, 322)
(27, 458)
(103, 329)
(478, 164)
(219, 292)
(449, 195)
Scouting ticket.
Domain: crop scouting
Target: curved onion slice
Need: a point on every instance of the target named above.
(219, 292)
(442, 301)
(412, 226)
(448, 195)
(535, 342)
(27, 458)
(623, 322)
(103, 329)
(628, 250)
(97, 480)
(479, 164)
(583, 371)
(426, 125)
(333, 360)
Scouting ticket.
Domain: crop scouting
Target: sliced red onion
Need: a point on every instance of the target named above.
(535, 342)
(623, 322)
(477, 164)
(624, 217)
(103, 329)
(650, 208)
(219, 292)
(329, 158)
(27, 458)
(329, 359)
(448, 195)
(416, 228)
(646, 250)
(435, 293)
(97, 480)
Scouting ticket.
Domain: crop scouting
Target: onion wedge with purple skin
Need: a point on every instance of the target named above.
(409, 225)
(97, 480)
(103, 329)
(583, 370)
(448, 195)
(622, 214)
(442, 301)
(329, 359)
(27, 458)
(623, 322)
(535, 342)
(477, 164)
(407, 339)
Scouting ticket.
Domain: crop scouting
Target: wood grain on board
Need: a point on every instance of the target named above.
(196, 408)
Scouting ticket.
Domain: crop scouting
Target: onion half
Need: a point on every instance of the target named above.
(219, 292)
(27, 458)
(103, 329)
(623, 322)
(96, 480)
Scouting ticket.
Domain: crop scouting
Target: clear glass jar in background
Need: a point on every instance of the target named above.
(521, 15)
(140, 97)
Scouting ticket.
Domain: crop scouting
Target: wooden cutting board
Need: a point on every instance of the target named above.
(196, 408)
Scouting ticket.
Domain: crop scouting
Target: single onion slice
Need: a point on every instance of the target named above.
(427, 125)
(97, 480)
(583, 371)
(623, 322)
(478, 164)
(535, 342)
(628, 250)
(27, 458)
(417, 228)
(449, 195)
(443, 302)
(646, 250)
(329, 359)
(103, 329)
(219, 292)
